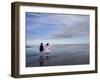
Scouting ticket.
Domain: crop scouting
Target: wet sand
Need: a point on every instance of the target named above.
(59, 55)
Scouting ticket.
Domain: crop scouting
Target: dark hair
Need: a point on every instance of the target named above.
(47, 44)
(41, 44)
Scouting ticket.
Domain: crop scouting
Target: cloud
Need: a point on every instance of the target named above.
(45, 25)
(73, 26)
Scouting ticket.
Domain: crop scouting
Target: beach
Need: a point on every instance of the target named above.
(69, 54)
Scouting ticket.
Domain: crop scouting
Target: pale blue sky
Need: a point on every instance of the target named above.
(56, 28)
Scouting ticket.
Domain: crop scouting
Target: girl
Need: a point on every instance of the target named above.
(47, 49)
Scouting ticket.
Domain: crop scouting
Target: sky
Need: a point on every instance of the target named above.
(56, 28)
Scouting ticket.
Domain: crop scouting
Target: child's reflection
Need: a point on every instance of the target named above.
(41, 61)
(44, 61)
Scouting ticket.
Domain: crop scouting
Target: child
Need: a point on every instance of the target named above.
(47, 49)
(41, 49)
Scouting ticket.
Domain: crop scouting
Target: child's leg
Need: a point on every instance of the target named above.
(47, 54)
(41, 53)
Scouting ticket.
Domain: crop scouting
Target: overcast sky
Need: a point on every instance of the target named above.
(56, 28)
